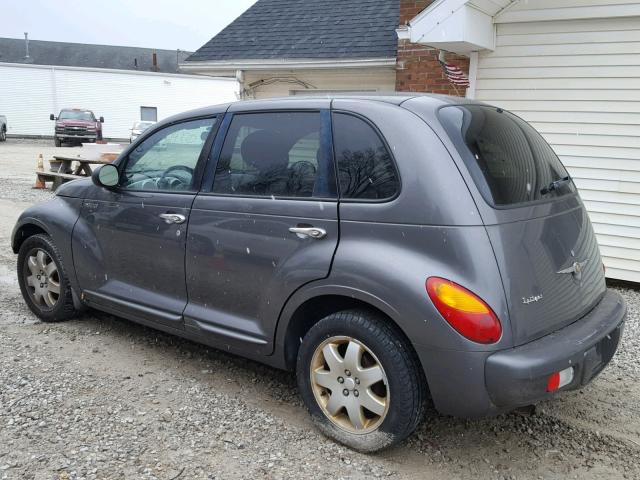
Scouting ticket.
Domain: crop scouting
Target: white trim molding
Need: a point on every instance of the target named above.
(286, 64)
(568, 13)
(109, 70)
(473, 75)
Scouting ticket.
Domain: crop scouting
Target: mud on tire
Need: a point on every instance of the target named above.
(402, 390)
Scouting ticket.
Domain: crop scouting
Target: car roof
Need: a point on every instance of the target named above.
(317, 101)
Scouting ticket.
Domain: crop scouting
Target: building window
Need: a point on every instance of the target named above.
(149, 114)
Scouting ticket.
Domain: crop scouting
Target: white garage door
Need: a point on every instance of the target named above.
(578, 82)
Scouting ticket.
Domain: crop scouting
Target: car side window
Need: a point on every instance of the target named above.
(167, 160)
(274, 154)
(365, 167)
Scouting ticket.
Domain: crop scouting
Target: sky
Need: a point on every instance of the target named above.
(162, 24)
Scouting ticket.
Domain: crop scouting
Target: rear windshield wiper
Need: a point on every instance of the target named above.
(555, 184)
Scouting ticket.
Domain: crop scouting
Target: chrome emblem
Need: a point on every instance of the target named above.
(531, 299)
(576, 269)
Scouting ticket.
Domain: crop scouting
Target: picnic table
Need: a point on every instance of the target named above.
(61, 164)
(63, 170)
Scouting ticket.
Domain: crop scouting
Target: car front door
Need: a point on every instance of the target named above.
(268, 225)
(129, 243)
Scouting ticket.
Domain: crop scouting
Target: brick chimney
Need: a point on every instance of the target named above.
(417, 67)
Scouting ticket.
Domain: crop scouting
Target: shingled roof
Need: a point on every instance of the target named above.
(12, 50)
(318, 29)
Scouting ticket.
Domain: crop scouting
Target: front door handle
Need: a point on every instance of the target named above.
(173, 218)
(312, 232)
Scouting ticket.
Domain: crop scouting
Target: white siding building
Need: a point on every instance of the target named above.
(30, 93)
(572, 69)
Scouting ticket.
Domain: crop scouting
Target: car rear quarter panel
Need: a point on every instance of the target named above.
(432, 228)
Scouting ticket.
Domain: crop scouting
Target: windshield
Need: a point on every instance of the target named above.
(76, 115)
(508, 159)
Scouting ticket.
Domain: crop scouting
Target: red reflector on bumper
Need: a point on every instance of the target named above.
(554, 382)
(559, 379)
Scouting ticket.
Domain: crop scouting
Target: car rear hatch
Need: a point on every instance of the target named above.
(541, 235)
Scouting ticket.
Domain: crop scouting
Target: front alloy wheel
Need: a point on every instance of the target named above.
(43, 279)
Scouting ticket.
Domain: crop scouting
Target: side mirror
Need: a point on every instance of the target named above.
(106, 176)
(52, 117)
(101, 119)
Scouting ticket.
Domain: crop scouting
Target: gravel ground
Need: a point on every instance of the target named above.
(100, 397)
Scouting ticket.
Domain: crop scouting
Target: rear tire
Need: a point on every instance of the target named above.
(3, 134)
(43, 280)
(368, 404)
(57, 142)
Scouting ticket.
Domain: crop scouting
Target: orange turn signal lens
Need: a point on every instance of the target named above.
(467, 313)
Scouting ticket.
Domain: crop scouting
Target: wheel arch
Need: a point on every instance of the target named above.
(306, 308)
(24, 230)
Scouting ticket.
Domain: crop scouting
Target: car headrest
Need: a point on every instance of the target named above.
(264, 150)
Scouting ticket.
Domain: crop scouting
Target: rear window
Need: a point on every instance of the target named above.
(508, 159)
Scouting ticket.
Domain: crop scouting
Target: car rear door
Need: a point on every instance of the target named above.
(129, 243)
(266, 224)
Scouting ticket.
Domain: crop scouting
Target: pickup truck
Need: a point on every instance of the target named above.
(3, 128)
(76, 125)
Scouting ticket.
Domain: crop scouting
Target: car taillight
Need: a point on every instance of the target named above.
(467, 313)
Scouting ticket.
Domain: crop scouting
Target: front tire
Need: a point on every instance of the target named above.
(57, 142)
(3, 135)
(361, 380)
(43, 280)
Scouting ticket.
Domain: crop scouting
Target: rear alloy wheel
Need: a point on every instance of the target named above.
(361, 380)
(43, 281)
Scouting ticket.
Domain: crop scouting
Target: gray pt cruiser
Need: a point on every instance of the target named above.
(389, 249)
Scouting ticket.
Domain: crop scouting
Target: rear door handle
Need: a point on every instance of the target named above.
(173, 218)
(312, 232)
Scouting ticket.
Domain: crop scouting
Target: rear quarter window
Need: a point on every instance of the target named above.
(366, 170)
(508, 159)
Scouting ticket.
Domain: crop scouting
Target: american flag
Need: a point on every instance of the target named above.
(454, 74)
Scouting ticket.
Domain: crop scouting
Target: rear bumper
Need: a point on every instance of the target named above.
(473, 384)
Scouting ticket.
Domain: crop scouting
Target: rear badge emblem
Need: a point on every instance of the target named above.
(576, 270)
(531, 299)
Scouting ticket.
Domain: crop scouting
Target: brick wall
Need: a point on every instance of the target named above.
(417, 67)
(411, 8)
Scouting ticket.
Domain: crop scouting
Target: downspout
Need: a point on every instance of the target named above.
(473, 75)
(240, 79)
(54, 90)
